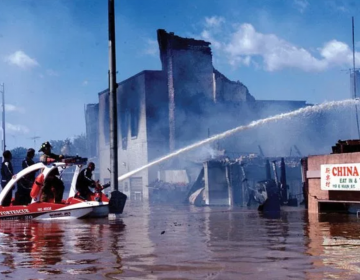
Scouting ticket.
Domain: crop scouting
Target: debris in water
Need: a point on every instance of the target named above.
(163, 232)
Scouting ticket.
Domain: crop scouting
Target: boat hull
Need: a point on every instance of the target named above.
(99, 211)
(74, 207)
(54, 211)
(65, 214)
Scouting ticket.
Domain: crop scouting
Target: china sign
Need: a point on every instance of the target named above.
(340, 177)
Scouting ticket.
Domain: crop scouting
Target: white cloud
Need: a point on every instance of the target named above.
(237, 61)
(214, 21)
(301, 5)
(206, 35)
(276, 53)
(13, 108)
(151, 47)
(339, 5)
(52, 73)
(342, 8)
(16, 128)
(21, 59)
(245, 43)
(337, 52)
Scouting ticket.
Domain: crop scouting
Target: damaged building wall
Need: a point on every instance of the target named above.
(193, 97)
(255, 170)
(157, 118)
(206, 102)
(234, 182)
(199, 90)
(230, 91)
(104, 134)
(92, 129)
(191, 75)
(141, 129)
(217, 190)
(132, 152)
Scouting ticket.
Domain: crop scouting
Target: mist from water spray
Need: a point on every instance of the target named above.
(279, 117)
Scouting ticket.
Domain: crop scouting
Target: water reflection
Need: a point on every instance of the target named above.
(184, 242)
(94, 248)
(223, 243)
(48, 248)
(40, 244)
(334, 241)
(116, 248)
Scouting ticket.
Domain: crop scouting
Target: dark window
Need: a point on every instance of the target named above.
(107, 119)
(134, 117)
(124, 127)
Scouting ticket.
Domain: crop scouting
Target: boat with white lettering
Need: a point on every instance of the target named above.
(73, 207)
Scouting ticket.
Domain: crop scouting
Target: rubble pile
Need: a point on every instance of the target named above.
(160, 191)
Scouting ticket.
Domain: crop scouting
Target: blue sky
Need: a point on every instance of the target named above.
(54, 54)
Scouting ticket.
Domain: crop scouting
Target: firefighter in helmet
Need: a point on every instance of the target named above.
(48, 157)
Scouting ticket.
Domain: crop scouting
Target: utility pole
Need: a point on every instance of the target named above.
(3, 116)
(34, 139)
(117, 199)
(354, 78)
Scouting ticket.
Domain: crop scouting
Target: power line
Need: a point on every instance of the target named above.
(34, 139)
(354, 78)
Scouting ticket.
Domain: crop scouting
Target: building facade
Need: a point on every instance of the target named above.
(162, 111)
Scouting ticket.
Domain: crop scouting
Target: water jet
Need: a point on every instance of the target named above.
(280, 117)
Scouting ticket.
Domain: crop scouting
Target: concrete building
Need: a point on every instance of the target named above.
(92, 131)
(142, 107)
(161, 111)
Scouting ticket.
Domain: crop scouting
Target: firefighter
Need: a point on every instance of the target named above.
(53, 189)
(48, 157)
(6, 175)
(84, 181)
(22, 195)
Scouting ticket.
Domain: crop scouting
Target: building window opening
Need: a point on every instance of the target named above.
(134, 123)
(124, 128)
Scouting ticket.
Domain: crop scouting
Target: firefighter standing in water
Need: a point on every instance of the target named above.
(48, 157)
(6, 175)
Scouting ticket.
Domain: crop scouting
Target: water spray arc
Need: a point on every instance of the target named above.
(279, 117)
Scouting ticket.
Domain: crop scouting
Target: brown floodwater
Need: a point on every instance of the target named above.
(184, 242)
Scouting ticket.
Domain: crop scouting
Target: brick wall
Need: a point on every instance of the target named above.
(313, 176)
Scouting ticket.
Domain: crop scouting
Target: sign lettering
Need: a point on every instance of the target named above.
(12, 212)
(340, 177)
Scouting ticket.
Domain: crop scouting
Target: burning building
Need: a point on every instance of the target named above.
(163, 110)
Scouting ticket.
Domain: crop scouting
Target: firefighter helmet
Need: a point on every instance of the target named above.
(44, 146)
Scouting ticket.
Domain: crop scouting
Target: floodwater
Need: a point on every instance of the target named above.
(184, 242)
